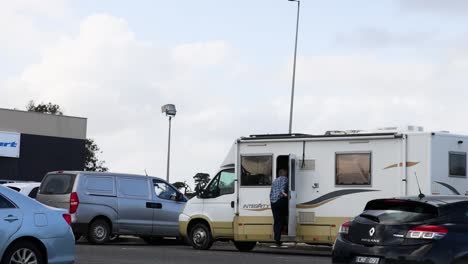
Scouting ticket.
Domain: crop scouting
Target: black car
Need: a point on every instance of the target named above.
(431, 229)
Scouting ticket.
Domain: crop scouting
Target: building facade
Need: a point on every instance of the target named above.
(32, 144)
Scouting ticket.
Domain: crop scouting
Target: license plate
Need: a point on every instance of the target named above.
(368, 260)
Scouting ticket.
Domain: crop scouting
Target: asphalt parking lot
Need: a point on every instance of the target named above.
(134, 250)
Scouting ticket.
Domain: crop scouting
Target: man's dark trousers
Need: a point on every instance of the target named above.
(280, 214)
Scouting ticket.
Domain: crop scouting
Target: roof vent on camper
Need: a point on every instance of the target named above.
(342, 132)
(402, 129)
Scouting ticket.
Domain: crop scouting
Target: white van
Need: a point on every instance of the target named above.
(331, 177)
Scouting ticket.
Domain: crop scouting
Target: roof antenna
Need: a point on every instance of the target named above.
(146, 173)
(421, 195)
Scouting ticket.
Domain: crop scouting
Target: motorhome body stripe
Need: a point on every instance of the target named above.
(450, 187)
(330, 197)
(408, 164)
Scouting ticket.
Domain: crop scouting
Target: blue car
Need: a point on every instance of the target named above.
(33, 233)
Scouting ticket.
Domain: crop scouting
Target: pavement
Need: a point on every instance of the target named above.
(133, 250)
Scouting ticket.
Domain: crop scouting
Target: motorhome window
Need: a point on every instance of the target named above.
(256, 170)
(353, 169)
(164, 191)
(57, 184)
(457, 164)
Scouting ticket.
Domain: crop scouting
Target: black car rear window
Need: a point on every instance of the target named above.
(394, 211)
(57, 184)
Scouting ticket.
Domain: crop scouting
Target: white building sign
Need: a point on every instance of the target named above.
(10, 144)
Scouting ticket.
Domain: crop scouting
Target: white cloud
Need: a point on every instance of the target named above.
(21, 30)
(450, 7)
(119, 82)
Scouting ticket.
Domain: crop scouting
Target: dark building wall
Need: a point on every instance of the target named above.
(41, 154)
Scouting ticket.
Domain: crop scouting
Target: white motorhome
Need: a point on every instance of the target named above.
(331, 178)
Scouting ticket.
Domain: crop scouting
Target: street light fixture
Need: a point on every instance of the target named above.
(294, 66)
(170, 111)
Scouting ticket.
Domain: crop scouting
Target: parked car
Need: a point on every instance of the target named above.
(27, 188)
(33, 233)
(431, 229)
(103, 204)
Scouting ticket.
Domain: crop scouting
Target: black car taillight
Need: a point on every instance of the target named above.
(427, 232)
(344, 228)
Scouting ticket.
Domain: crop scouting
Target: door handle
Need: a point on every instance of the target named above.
(153, 205)
(10, 218)
(232, 204)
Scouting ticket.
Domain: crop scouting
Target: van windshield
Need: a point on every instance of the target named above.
(57, 184)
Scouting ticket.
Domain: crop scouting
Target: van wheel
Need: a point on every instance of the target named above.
(99, 232)
(200, 237)
(245, 246)
(23, 252)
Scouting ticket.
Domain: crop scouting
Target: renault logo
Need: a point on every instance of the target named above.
(372, 231)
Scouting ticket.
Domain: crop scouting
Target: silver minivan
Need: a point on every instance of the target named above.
(103, 204)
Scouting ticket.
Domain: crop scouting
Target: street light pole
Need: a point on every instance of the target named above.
(294, 66)
(170, 111)
(168, 149)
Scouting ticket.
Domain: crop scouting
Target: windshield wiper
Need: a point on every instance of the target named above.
(370, 217)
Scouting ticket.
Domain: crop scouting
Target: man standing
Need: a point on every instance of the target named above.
(279, 203)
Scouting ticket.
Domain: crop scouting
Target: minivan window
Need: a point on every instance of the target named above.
(163, 190)
(57, 184)
(394, 211)
(100, 185)
(133, 187)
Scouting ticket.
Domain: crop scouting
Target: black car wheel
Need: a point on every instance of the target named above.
(23, 252)
(99, 232)
(200, 236)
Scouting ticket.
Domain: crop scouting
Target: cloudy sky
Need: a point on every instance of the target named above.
(227, 66)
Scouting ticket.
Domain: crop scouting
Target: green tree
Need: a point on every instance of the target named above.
(182, 185)
(52, 109)
(92, 163)
(201, 180)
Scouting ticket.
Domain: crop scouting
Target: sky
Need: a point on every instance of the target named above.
(227, 66)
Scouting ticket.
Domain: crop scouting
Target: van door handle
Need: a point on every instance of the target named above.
(232, 204)
(153, 205)
(10, 218)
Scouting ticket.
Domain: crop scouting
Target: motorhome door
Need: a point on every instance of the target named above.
(292, 221)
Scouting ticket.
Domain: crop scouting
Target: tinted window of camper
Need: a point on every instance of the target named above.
(457, 164)
(256, 170)
(353, 169)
